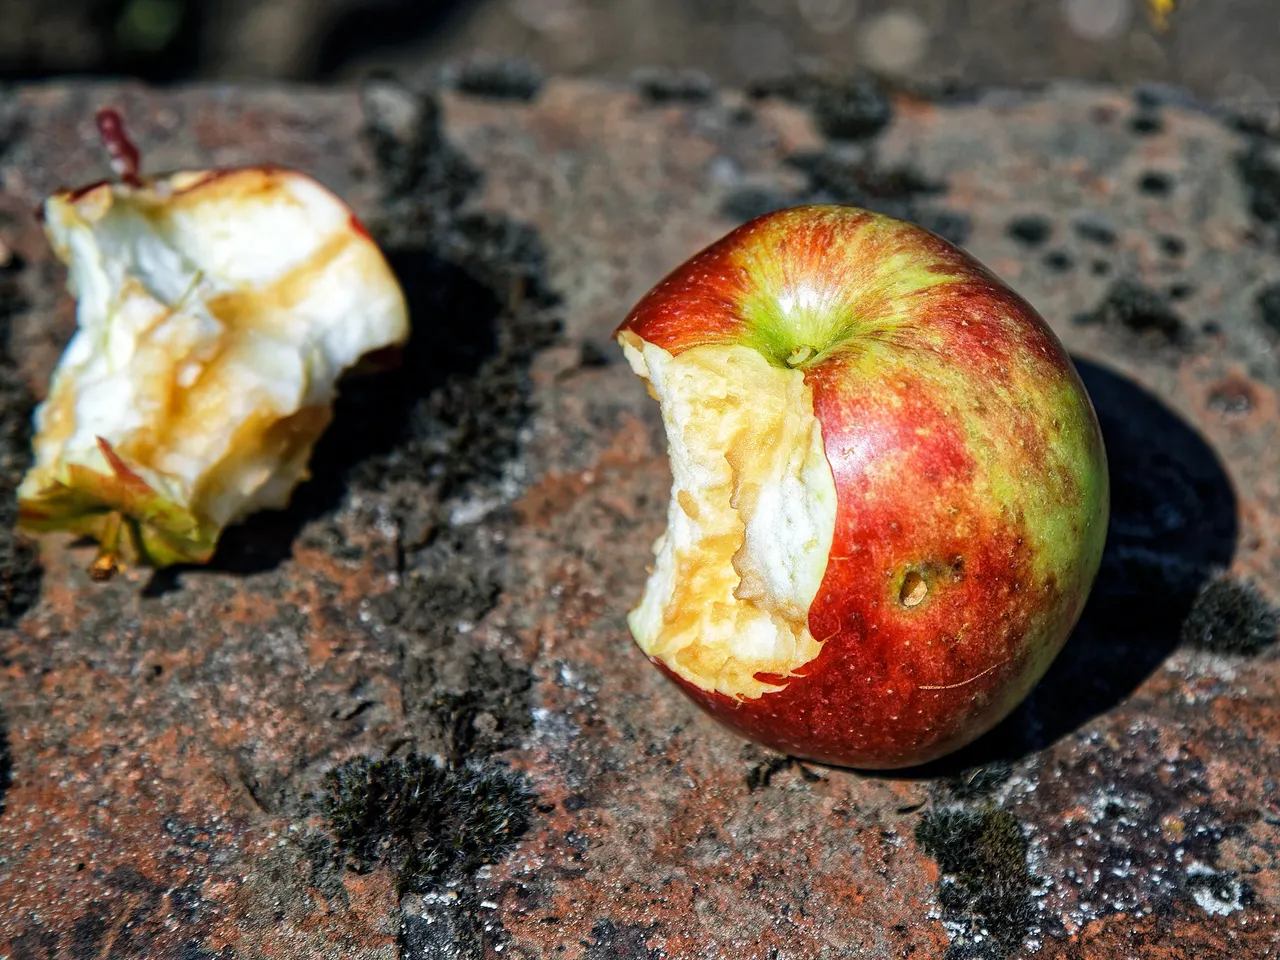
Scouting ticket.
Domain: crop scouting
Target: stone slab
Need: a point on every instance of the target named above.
(453, 583)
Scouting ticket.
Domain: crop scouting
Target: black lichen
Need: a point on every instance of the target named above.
(985, 888)
(489, 715)
(1059, 261)
(1095, 228)
(1146, 122)
(852, 110)
(951, 225)
(1230, 615)
(431, 441)
(1267, 303)
(750, 201)
(659, 85)
(1225, 889)
(6, 762)
(855, 179)
(845, 108)
(19, 560)
(512, 79)
(1031, 229)
(449, 930)
(1131, 306)
(1172, 246)
(466, 700)
(611, 941)
(448, 419)
(898, 191)
(135, 917)
(1156, 184)
(429, 823)
(1259, 170)
(1259, 118)
(859, 180)
(977, 782)
(326, 864)
(423, 178)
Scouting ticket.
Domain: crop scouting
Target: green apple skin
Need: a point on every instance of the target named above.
(964, 450)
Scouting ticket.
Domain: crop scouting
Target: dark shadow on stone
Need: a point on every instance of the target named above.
(1173, 525)
(446, 420)
(455, 331)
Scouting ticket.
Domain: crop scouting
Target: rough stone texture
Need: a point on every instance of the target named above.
(454, 582)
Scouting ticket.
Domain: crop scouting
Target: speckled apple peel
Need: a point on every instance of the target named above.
(216, 311)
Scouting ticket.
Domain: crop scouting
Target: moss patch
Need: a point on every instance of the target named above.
(660, 85)
(856, 179)
(429, 823)
(1230, 615)
(19, 559)
(1259, 170)
(510, 79)
(985, 888)
(1130, 306)
(977, 782)
(850, 107)
(1267, 302)
(6, 762)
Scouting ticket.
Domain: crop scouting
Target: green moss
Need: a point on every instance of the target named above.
(427, 822)
(985, 889)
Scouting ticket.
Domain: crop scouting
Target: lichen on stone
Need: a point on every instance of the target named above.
(425, 821)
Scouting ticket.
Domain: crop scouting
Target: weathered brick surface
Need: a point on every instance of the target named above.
(454, 581)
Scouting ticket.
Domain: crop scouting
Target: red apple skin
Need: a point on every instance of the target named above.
(963, 447)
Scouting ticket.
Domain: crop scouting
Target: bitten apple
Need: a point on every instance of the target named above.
(889, 494)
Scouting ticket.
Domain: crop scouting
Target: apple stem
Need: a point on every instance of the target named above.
(107, 563)
(799, 355)
(125, 159)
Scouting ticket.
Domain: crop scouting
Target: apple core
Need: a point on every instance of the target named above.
(215, 312)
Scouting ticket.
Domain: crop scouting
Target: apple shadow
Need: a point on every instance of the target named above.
(374, 416)
(1173, 523)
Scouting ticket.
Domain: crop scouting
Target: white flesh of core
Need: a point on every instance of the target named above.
(215, 316)
(750, 523)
